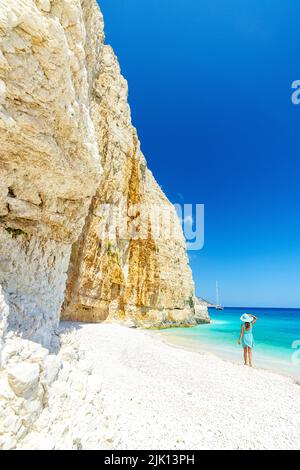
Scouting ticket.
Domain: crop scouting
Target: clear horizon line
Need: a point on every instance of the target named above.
(278, 308)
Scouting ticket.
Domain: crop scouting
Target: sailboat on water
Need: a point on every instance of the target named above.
(218, 303)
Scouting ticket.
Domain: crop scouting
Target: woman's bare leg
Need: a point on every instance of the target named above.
(245, 356)
(250, 356)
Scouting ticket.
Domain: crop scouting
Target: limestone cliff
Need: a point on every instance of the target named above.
(64, 117)
(78, 207)
(146, 279)
(49, 157)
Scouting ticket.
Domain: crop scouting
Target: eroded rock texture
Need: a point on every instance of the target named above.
(63, 115)
(144, 280)
(49, 157)
(52, 401)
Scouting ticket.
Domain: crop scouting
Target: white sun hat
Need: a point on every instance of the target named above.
(246, 318)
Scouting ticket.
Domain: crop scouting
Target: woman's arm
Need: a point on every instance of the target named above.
(241, 334)
(255, 319)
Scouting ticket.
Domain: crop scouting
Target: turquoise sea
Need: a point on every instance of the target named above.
(275, 335)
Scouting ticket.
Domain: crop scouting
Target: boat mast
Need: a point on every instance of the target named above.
(217, 293)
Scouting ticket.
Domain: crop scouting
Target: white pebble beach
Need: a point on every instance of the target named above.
(163, 397)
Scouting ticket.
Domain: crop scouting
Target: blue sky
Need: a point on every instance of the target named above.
(210, 93)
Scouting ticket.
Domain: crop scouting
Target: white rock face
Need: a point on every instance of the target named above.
(49, 158)
(49, 154)
(33, 277)
(23, 378)
(51, 369)
(51, 401)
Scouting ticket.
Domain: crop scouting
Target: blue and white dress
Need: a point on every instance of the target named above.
(247, 339)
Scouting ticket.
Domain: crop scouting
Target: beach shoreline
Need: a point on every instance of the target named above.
(276, 339)
(204, 349)
(163, 396)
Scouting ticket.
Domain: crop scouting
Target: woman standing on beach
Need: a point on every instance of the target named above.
(247, 337)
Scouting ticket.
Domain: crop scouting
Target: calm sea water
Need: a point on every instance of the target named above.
(275, 336)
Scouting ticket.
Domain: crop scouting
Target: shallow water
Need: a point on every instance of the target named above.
(276, 334)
